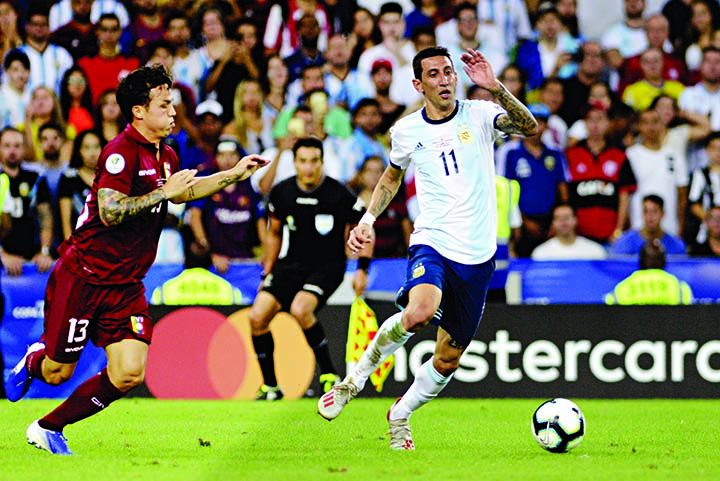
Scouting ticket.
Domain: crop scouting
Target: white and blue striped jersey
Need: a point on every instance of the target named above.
(454, 178)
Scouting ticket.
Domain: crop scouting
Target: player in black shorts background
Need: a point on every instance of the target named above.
(304, 260)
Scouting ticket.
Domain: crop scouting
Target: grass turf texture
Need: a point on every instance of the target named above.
(146, 439)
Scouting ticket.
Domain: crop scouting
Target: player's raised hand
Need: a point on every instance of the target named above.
(360, 236)
(249, 164)
(479, 69)
(178, 183)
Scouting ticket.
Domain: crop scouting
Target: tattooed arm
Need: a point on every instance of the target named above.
(384, 192)
(205, 186)
(116, 207)
(518, 119)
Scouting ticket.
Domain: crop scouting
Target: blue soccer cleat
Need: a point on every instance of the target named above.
(19, 379)
(51, 441)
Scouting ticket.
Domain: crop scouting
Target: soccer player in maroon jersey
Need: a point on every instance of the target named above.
(95, 291)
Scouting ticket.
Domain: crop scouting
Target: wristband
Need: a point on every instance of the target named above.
(364, 263)
(368, 219)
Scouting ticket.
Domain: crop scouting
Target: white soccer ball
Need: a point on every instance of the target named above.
(558, 425)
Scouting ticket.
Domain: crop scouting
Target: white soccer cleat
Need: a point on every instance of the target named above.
(400, 433)
(331, 404)
(51, 441)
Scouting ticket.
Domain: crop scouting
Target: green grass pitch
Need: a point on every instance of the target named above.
(456, 439)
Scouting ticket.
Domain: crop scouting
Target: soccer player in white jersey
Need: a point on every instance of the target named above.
(452, 249)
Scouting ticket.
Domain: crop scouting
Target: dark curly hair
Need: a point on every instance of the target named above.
(135, 88)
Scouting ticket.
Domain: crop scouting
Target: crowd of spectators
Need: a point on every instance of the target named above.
(627, 151)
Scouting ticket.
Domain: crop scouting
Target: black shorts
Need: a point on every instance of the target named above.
(285, 282)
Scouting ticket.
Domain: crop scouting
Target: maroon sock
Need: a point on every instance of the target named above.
(89, 398)
(33, 364)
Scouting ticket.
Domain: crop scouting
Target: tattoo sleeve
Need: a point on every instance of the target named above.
(116, 207)
(385, 191)
(518, 120)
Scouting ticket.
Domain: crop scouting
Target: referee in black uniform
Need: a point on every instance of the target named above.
(304, 261)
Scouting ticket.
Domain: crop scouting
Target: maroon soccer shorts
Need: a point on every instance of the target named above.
(76, 312)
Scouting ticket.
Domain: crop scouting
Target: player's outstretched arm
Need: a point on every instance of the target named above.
(518, 119)
(205, 186)
(116, 207)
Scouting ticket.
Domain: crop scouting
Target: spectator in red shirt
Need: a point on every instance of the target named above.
(105, 70)
(600, 180)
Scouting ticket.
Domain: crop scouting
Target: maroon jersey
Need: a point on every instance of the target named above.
(594, 187)
(122, 253)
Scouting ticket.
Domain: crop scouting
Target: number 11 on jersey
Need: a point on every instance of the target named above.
(444, 159)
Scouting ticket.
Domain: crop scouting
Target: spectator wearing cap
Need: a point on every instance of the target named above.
(208, 115)
(14, 93)
(551, 54)
(540, 171)
(600, 180)
(226, 226)
(390, 110)
(395, 48)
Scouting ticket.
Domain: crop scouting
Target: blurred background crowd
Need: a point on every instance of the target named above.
(626, 93)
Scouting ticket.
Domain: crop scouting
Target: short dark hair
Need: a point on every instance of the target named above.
(390, 7)
(7, 129)
(174, 14)
(652, 255)
(311, 142)
(16, 55)
(135, 88)
(155, 45)
(109, 16)
(428, 53)
(366, 102)
(712, 136)
(655, 199)
(51, 126)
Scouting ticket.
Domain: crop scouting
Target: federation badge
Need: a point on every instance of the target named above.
(24, 189)
(138, 324)
(115, 163)
(324, 223)
(549, 162)
(418, 270)
(465, 136)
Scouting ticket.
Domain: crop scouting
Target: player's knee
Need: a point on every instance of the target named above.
(129, 378)
(58, 374)
(417, 317)
(258, 320)
(304, 317)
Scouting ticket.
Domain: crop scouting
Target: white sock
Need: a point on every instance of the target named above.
(390, 336)
(427, 385)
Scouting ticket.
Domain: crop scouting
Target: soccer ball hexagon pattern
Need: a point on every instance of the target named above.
(558, 425)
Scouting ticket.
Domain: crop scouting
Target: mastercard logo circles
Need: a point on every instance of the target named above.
(199, 353)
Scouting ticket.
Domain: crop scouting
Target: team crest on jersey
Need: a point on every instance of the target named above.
(324, 223)
(418, 270)
(549, 162)
(243, 201)
(609, 168)
(24, 189)
(465, 136)
(138, 324)
(115, 163)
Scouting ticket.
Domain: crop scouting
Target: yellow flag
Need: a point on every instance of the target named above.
(361, 330)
